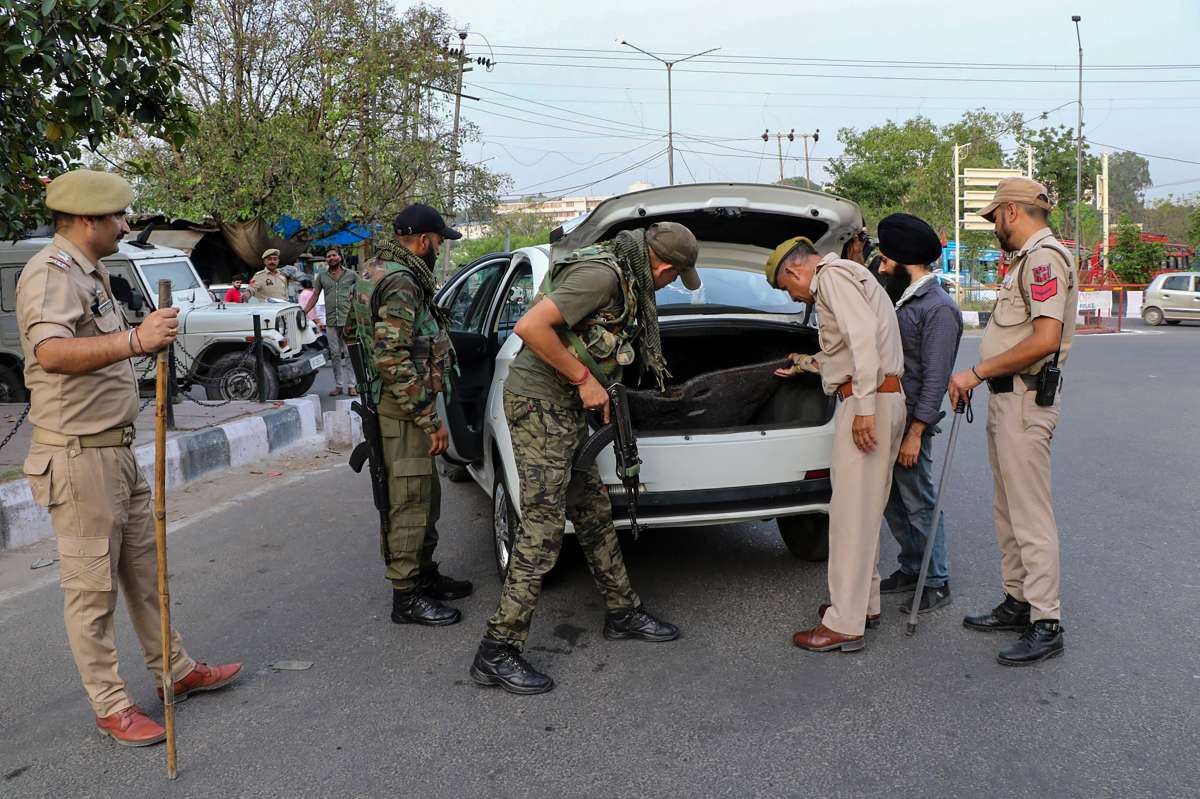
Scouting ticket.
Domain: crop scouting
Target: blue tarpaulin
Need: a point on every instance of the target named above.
(319, 234)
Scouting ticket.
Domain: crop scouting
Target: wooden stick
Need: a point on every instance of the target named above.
(160, 529)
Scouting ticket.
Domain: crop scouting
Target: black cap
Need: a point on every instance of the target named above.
(909, 240)
(420, 218)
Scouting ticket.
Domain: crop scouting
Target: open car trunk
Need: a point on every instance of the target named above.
(722, 379)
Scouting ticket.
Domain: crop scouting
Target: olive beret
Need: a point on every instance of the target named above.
(781, 252)
(269, 252)
(909, 240)
(85, 192)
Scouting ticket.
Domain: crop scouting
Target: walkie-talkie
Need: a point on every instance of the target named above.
(1047, 383)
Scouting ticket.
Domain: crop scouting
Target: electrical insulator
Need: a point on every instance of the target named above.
(792, 134)
(817, 135)
(766, 135)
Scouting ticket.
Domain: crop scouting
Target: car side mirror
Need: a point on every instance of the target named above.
(125, 294)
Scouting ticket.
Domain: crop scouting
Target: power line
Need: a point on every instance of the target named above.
(532, 186)
(1143, 155)
(562, 191)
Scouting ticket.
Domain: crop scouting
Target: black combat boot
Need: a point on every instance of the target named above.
(436, 585)
(1041, 640)
(502, 664)
(1008, 615)
(413, 607)
(637, 623)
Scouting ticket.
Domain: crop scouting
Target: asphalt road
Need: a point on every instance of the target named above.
(732, 709)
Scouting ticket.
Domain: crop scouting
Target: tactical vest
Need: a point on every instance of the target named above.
(431, 349)
(602, 342)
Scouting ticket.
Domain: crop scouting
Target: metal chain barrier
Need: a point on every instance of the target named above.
(15, 427)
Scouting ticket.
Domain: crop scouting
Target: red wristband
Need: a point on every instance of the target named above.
(586, 373)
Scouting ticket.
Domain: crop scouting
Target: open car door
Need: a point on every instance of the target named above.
(468, 298)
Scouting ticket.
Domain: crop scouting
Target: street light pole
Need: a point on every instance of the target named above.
(816, 137)
(670, 116)
(1078, 142)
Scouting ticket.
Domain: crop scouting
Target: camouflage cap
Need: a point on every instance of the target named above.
(1017, 190)
(676, 245)
(85, 192)
(779, 254)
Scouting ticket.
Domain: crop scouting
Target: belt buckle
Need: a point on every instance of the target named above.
(127, 436)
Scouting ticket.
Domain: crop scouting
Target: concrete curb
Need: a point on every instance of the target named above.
(189, 456)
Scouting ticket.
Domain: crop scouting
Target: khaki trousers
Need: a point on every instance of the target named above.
(1018, 435)
(415, 497)
(99, 505)
(862, 482)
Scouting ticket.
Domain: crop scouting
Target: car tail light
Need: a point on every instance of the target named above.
(816, 474)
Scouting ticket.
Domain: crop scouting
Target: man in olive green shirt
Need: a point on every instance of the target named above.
(337, 284)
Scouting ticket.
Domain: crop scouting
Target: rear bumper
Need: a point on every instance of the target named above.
(723, 505)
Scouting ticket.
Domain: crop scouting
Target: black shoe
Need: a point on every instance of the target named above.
(1041, 640)
(898, 583)
(501, 664)
(1008, 615)
(637, 623)
(436, 585)
(413, 607)
(931, 599)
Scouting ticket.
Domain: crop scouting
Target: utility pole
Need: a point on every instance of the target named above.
(1029, 161)
(669, 64)
(791, 136)
(1078, 142)
(462, 68)
(1103, 198)
(816, 137)
(958, 222)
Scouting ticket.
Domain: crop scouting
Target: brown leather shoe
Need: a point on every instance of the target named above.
(823, 639)
(205, 678)
(872, 619)
(131, 727)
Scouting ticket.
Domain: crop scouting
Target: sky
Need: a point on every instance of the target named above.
(591, 116)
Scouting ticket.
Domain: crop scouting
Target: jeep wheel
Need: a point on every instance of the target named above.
(806, 537)
(232, 378)
(298, 388)
(1152, 316)
(12, 388)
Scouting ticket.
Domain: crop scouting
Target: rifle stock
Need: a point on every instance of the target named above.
(619, 432)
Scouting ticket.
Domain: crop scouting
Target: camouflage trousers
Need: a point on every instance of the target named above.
(545, 438)
(415, 496)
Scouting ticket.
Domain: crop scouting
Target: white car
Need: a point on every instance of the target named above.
(731, 442)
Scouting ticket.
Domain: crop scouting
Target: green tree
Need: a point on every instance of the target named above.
(1192, 236)
(77, 72)
(1054, 161)
(1128, 179)
(1132, 259)
(1169, 216)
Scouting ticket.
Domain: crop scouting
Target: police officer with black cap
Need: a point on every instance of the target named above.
(930, 330)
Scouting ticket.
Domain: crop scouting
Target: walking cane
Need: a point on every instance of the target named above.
(963, 407)
(160, 529)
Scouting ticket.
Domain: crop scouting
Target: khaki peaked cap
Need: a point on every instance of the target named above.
(1017, 190)
(84, 192)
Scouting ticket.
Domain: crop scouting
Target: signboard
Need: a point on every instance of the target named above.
(980, 185)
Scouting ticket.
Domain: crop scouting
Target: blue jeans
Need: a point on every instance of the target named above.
(909, 514)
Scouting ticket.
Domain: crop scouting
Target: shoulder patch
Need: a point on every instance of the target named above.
(1041, 274)
(1044, 291)
(62, 261)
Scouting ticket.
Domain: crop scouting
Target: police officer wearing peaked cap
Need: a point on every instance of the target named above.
(1027, 339)
(81, 465)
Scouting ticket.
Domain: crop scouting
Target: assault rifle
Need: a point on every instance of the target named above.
(371, 448)
(619, 432)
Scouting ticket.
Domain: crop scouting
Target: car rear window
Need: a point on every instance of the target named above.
(726, 291)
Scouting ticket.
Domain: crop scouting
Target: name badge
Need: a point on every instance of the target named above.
(104, 307)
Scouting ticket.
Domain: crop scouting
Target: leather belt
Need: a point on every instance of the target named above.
(890, 385)
(1005, 383)
(117, 437)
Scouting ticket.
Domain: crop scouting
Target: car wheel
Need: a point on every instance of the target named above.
(298, 388)
(806, 537)
(1152, 316)
(12, 388)
(505, 524)
(232, 378)
(1173, 321)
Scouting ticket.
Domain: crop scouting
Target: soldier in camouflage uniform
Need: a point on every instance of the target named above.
(409, 359)
(579, 336)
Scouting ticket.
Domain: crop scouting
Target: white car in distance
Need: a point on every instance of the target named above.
(730, 442)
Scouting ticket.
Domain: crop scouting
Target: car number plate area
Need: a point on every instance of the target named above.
(316, 361)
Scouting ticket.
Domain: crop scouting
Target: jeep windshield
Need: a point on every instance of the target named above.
(180, 273)
(726, 291)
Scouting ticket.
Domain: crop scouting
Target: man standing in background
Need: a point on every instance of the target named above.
(337, 283)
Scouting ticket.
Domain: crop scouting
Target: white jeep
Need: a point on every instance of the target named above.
(215, 343)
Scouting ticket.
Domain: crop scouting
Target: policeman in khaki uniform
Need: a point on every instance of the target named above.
(269, 283)
(1027, 338)
(410, 360)
(861, 360)
(595, 305)
(81, 466)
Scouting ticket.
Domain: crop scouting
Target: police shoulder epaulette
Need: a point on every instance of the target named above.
(60, 259)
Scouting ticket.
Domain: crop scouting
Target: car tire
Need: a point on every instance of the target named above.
(232, 377)
(1173, 321)
(456, 473)
(12, 387)
(806, 537)
(1152, 316)
(298, 388)
(506, 525)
